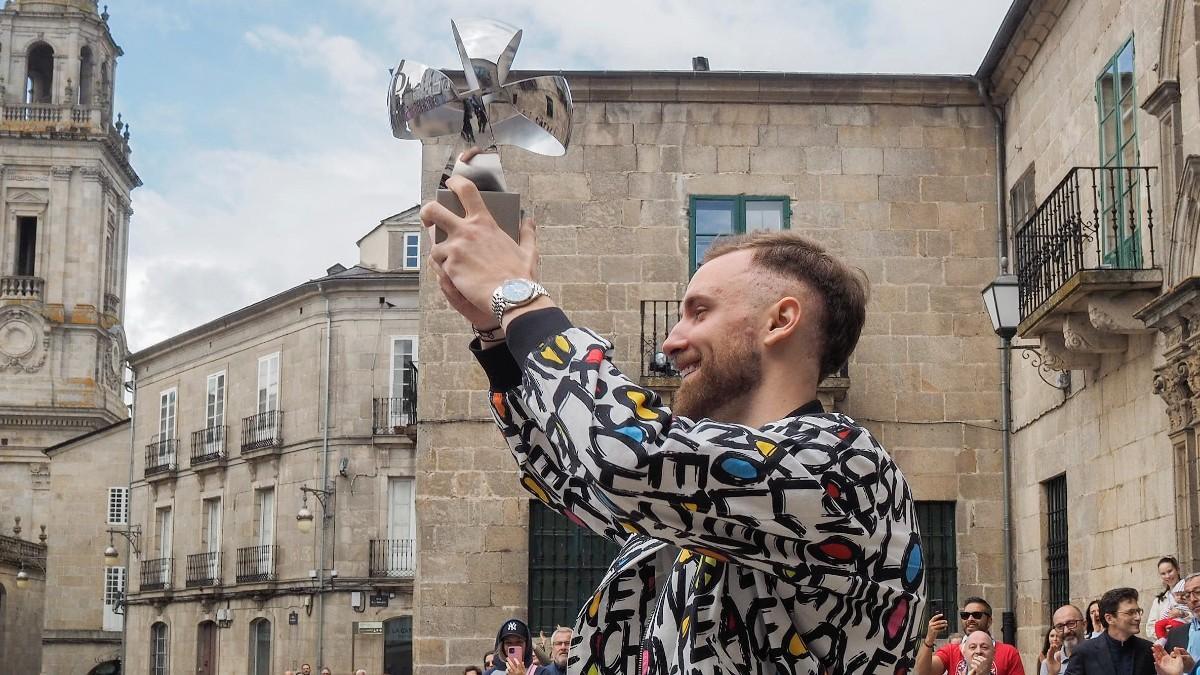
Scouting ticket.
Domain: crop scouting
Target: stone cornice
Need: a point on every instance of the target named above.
(1018, 43)
(1165, 95)
(661, 86)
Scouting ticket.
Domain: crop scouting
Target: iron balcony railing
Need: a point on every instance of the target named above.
(1093, 219)
(208, 445)
(393, 415)
(15, 552)
(162, 456)
(256, 563)
(203, 569)
(262, 431)
(156, 574)
(392, 558)
(658, 318)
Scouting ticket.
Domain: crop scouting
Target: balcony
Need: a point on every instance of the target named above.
(156, 574)
(22, 288)
(16, 552)
(393, 558)
(203, 569)
(208, 446)
(256, 564)
(658, 317)
(262, 432)
(162, 457)
(37, 117)
(394, 416)
(1085, 263)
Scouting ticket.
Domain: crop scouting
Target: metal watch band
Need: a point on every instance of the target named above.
(500, 304)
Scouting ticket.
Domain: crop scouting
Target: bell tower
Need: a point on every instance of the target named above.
(65, 181)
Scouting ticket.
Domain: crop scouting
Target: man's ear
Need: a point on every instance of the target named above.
(783, 320)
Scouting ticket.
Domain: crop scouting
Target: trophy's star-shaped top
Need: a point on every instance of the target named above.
(534, 114)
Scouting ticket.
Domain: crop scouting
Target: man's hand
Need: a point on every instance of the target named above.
(1177, 662)
(937, 624)
(476, 255)
(980, 665)
(515, 666)
(1053, 663)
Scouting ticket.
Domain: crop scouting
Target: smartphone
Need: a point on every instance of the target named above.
(518, 652)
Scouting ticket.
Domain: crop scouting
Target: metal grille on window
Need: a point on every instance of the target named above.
(936, 520)
(114, 585)
(566, 563)
(118, 505)
(1057, 563)
(158, 649)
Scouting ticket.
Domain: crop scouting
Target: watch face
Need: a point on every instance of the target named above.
(516, 290)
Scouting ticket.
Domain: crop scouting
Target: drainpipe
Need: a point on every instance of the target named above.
(329, 501)
(1008, 624)
(128, 519)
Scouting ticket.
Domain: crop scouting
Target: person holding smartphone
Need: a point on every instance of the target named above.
(976, 616)
(514, 649)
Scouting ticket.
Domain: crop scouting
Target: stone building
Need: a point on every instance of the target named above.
(65, 181)
(272, 478)
(896, 173)
(1105, 475)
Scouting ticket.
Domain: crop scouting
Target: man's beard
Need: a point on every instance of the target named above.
(732, 371)
(560, 661)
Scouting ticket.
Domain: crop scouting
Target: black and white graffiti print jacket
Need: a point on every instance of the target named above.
(799, 549)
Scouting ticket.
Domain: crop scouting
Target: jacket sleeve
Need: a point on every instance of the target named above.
(816, 500)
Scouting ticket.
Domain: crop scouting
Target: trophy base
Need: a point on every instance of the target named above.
(505, 208)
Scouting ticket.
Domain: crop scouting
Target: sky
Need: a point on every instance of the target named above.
(260, 131)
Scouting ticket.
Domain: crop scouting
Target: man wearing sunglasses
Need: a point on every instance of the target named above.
(976, 615)
(1187, 636)
(1119, 650)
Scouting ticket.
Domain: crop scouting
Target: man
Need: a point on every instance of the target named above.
(1119, 650)
(560, 647)
(360, 671)
(289, 672)
(1071, 629)
(305, 669)
(800, 551)
(513, 634)
(979, 650)
(976, 616)
(1188, 636)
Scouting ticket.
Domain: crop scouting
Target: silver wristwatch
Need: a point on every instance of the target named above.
(514, 293)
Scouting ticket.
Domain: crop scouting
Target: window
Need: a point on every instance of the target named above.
(118, 505)
(260, 647)
(114, 591)
(265, 524)
(712, 217)
(1057, 559)
(159, 661)
(397, 645)
(166, 415)
(86, 67)
(412, 250)
(397, 555)
(938, 545)
(26, 258)
(211, 533)
(39, 73)
(403, 382)
(1119, 191)
(268, 383)
(110, 256)
(566, 563)
(1021, 199)
(162, 520)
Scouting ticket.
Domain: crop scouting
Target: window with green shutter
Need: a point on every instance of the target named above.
(1119, 190)
(712, 216)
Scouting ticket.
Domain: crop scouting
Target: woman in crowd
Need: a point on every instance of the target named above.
(1050, 640)
(1093, 619)
(1164, 603)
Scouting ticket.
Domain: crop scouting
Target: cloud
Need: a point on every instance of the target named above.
(350, 67)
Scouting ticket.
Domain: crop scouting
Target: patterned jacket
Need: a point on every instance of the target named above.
(799, 543)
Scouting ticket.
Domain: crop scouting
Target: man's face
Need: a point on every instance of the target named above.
(560, 647)
(980, 644)
(975, 616)
(306, 669)
(715, 344)
(1128, 618)
(1191, 595)
(1068, 622)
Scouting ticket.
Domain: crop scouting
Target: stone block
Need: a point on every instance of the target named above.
(733, 159)
(660, 134)
(821, 160)
(633, 113)
(802, 115)
(943, 189)
(848, 115)
(862, 161)
(609, 158)
(900, 188)
(944, 137)
(914, 216)
(777, 160)
(558, 186)
(909, 162)
(934, 349)
(721, 134)
(960, 216)
(604, 134)
(849, 188)
(936, 244)
(608, 186)
(699, 159)
(740, 113)
(797, 136)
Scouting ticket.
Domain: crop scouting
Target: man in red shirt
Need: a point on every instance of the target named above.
(976, 615)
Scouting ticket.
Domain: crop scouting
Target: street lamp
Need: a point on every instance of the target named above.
(111, 557)
(1002, 300)
(131, 534)
(304, 518)
(22, 578)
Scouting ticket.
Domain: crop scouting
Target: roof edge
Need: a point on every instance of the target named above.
(1008, 28)
(65, 445)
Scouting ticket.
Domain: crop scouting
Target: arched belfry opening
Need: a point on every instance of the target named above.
(87, 66)
(39, 73)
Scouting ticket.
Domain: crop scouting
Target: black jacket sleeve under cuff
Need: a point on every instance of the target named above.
(527, 331)
(501, 369)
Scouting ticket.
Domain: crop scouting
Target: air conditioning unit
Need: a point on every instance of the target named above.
(356, 600)
(224, 617)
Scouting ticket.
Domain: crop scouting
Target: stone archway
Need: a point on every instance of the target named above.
(106, 668)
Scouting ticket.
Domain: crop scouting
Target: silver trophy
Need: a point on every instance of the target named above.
(534, 114)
